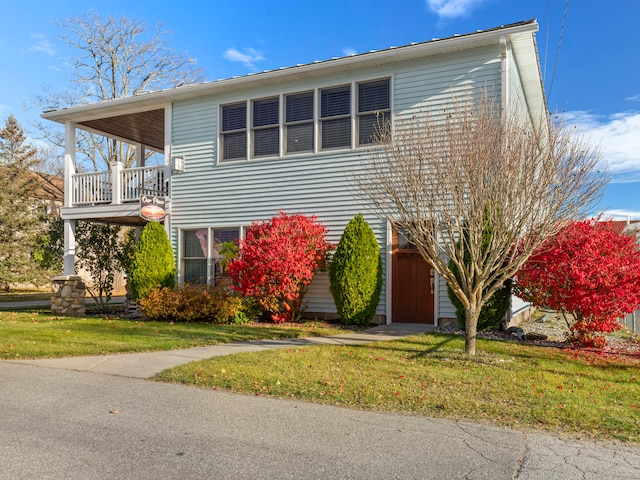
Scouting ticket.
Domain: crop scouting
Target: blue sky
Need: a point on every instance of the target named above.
(591, 67)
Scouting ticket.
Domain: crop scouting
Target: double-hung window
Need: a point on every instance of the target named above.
(331, 118)
(299, 127)
(195, 254)
(335, 117)
(373, 109)
(202, 252)
(266, 127)
(234, 131)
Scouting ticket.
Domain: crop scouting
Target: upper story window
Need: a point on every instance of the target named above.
(374, 108)
(339, 117)
(266, 127)
(299, 127)
(335, 117)
(234, 131)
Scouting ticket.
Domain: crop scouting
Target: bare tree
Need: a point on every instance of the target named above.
(117, 57)
(449, 176)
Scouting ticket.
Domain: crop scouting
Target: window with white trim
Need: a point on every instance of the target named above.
(266, 127)
(201, 253)
(341, 121)
(335, 117)
(298, 122)
(374, 109)
(234, 131)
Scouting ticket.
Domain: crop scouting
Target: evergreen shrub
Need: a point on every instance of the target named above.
(355, 273)
(493, 312)
(153, 264)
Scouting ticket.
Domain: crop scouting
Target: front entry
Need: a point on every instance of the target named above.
(412, 284)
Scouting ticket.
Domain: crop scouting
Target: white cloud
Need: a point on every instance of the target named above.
(619, 214)
(248, 58)
(449, 9)
(42, 44)
(619, 138)
(634, 98)
(348, 51)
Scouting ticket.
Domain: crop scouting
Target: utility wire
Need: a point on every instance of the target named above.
(546, 43)
(555, 65)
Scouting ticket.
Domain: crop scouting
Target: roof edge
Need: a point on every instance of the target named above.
(161, 98)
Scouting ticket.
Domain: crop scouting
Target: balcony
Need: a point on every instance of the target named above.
(114, 195)
(119, 185)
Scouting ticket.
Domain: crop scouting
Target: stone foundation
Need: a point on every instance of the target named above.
(68, 296)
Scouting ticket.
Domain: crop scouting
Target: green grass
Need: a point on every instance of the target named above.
(507, 384)
(37, 334)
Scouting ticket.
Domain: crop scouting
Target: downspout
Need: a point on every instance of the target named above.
(505, 105)
(504, 74)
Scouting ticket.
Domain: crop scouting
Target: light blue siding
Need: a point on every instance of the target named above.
(208, 193)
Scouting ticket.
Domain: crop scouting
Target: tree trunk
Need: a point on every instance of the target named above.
(471, 330)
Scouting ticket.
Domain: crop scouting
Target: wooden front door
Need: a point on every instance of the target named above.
(412, 284)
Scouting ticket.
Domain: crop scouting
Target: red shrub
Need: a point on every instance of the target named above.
(278, 258)
(589, 271)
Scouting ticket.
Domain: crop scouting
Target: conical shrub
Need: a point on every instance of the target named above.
(153, 263)
(355, 273)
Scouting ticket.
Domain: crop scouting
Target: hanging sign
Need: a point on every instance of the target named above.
(152, 208)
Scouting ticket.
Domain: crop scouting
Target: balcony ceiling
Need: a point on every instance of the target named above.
(146, 128)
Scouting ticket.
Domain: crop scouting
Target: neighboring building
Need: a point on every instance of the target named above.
(51, 191)
(288, 139)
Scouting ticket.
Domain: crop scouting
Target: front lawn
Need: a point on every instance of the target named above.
(38, 334)
(508, 384)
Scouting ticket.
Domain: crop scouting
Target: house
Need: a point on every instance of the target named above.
(240, 149)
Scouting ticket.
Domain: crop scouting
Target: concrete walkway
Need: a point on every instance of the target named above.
(146, 365)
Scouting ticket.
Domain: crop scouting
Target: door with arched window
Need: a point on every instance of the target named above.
(412, 283)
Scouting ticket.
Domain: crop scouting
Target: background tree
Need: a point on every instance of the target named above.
(355, 273)
(153, 263)
(21, 213)
(115, 57)
(102, 251)
(278, 259)
(49, 249)
(588, 271)
(434, 175)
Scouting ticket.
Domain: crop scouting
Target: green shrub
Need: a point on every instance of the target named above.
(492, 312)
(192, 303)
(153, 264)
(355, 273)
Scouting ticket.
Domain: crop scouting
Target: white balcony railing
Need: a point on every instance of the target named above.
(119, 185)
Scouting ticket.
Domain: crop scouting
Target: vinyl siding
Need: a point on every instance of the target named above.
(208, 193)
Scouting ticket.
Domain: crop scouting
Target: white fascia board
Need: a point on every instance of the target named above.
(155, 100)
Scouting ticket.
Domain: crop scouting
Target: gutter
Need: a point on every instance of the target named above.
(504, 74)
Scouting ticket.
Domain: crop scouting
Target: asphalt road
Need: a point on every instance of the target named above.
(62, 424)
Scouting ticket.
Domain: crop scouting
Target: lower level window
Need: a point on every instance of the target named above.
(202, 250)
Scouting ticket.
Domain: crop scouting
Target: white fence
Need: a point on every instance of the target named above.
(119, 185)
(632, 321)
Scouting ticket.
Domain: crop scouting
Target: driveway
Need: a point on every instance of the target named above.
(61, 424)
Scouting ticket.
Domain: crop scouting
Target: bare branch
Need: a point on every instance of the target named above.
(448, 175)
(116, 57)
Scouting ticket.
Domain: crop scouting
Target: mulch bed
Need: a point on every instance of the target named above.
(550, 330)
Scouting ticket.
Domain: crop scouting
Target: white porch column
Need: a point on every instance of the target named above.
(69, 247)
(69, 171)
(116, 183)
(69, 161)
(140, 156)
